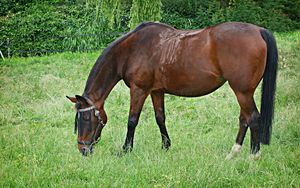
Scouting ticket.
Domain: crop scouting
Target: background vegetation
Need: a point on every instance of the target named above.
(39, 27)
(39, 149)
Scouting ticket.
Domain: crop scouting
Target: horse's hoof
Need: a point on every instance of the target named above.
(229, 156)
(120, 153)
(235, 150)
(127, 149)
(166, 146)
(255, 156)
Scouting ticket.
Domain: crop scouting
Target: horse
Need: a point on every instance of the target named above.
(156, 59)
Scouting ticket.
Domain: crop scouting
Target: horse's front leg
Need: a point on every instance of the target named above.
(137, 99)
(159, 109)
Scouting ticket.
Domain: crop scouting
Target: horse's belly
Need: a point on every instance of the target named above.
(191, 91)
(193, 85)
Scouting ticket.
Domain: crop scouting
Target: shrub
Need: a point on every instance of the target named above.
(53, 27)
(38, 27)
(280, 15)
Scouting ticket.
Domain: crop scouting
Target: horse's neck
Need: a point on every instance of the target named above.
(103, 77)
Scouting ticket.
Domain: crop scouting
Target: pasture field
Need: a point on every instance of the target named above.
(38, 147)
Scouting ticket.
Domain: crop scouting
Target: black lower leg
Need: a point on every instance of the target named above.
(166, 142)
(242, 131)
(255, 145)
(128, 145)
(254, 127)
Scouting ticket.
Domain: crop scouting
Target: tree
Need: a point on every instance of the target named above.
(144, 10)
(139, 10)
(111, 9)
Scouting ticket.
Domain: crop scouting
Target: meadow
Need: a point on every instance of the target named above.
(38, 147)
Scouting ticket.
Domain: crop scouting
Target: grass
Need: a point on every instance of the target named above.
(38, 147)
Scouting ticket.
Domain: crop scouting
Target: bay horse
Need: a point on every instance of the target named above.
(155, 59)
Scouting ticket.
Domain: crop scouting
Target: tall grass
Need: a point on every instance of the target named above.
(38, 147)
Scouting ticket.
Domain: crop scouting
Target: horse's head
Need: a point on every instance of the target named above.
(89, 121)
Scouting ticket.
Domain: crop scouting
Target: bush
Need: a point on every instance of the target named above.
(38, 27)
(268, 15)
(210, 14)
(35, 29)
(13, 6)
(182, 14)
(54, 27)
(280, 15)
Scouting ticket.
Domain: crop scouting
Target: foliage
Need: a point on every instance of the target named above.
(34, 29)
(266, 15)
(57, 27)
(40, 27)
(112, 10)
(39, 149)
(144, 10)
(280, 15)
(181, 14)
(210, 14)
(13, 6)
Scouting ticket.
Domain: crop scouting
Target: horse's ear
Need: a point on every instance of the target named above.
(81, 99)
(72, 99)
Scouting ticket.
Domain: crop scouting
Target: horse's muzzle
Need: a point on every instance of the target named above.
(85, 151)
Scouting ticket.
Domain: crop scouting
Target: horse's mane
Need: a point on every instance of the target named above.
(99, 61)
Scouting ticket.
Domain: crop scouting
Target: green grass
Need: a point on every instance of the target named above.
(38, 147)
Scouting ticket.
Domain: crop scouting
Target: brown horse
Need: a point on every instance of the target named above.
(155, 59)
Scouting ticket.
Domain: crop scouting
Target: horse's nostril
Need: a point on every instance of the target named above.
(84, 151)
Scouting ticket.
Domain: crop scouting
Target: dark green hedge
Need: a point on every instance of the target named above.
(276, 15)
(50, 26)
(38, 27)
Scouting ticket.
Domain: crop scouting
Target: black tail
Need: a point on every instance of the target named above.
(268, 87)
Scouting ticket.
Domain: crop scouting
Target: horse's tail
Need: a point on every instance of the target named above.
(268, 87)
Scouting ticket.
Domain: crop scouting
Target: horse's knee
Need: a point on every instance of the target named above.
(160, 119)
(243, 121)
(254, 120)
(132, 122)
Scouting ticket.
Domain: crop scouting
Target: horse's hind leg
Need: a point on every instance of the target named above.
(159, 109)
(249, 116)
(254, 128)
(236, 148)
